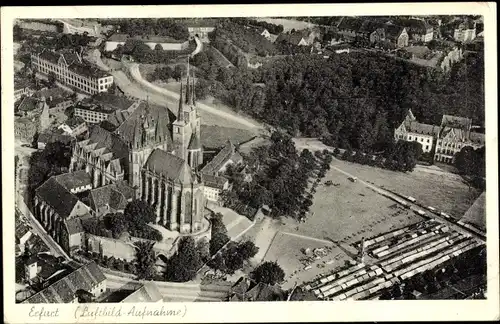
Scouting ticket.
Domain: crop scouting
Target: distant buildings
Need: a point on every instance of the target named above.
(104, 105)
(70, 69)
(352, 28)
(166, 43)
(88, 278)
(22, 89)
(449, 138)
(200, 28)
(465, 32)
(246, 289)
(419, 30)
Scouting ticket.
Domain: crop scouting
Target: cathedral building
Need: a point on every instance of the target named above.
(158, 158)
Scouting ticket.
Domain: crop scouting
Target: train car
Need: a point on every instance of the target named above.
(410, 198)
(432, 209)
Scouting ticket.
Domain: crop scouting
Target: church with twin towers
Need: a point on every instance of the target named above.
(155, 156)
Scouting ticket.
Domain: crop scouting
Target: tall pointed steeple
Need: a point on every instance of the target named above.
(180, 112)
(189, 98)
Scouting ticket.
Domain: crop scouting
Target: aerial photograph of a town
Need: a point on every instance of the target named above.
(239, 159)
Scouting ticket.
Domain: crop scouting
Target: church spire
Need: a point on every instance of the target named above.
(180, 112)
(189, 98)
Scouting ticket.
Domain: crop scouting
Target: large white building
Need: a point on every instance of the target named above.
(411, 130)
(448, 139)
(70, 70)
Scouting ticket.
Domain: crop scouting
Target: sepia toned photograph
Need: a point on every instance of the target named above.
(236, 159)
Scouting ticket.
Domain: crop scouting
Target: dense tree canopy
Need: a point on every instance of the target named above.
(471, 162)
(145, 260)
(269, 273)
(352, 100)
(184, 264)
(149, 26)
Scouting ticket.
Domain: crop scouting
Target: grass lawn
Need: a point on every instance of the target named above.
(440, 190)
(348, 212)
(216, 136)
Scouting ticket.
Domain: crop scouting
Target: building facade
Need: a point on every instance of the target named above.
(444, 140)
(70, 70)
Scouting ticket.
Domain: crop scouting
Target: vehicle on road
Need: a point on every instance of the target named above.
(353, 179)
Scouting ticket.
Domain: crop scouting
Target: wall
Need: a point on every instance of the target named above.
(110, 247)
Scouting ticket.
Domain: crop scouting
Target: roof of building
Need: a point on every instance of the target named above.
(423, 129)
(27, 104)
(170, 166)
(57, 196)
(117, 37)
(214, 181)
(147, 293)
(63, 291)
(50, 137)
(456, 122)
(265, 292)
(114, 102)
(73, 180)
(74, 62)
(370, 26)
(74, 225)
(145, 116)
(194, 143)
(227, 153)
(107, 196)
(415, 25)
(292, 38)
(110, 141)
(393, 31)
(350, 23)
(74, 121)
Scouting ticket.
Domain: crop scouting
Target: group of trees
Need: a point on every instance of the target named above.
(279, 178)
(272, 28)
(149, 26)
(355, 100)
(269, 273)
(111, 262)
(400, 156)
(54, 159)
(246, 39)
(166, 73)
(188, 259)
(471, 161)
(134, 220)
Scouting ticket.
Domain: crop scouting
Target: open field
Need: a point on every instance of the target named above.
(350, 211)
(216, 136)
(286, 250)
(443, 191)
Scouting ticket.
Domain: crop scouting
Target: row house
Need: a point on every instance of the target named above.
(70, 70)
(352, 28)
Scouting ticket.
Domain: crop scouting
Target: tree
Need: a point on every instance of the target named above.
(269, 273)
(217, 241)
(138, 213)
(145, 260)
(84, 296)
(116, 223)
(247, 249)
(178, 72)
(203, 248)
(52, 79)
(185, 263)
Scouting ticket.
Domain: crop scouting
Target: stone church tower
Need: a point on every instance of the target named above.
(186, 128)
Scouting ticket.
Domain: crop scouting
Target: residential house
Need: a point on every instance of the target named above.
(396, 35)
(71, 70)
(214, 185)
(264, 32)
(74, 126)
(147, 293)
(372, 30)
(200, 28)
(411, 130)
(111, 198)
(22, 88)
(88, 277)
(166, 43)
(58, 105)
(418, 29)
(27, 106)
(228, 155)
(465, 32)
(246, 289)
(349, 27)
